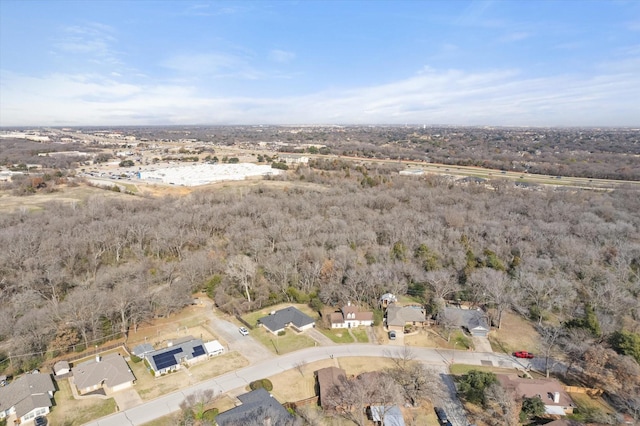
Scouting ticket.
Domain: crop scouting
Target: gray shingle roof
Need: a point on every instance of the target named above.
(401, 315)
(469, 318)
(257, 405)
(26, 391)
(112, 370)
(280, 319)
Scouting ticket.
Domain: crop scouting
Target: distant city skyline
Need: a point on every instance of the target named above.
(469, 63)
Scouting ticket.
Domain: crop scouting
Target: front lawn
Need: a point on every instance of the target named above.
(291, 341)
(337, 335)
(360, 334)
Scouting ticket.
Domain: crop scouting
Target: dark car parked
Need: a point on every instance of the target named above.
(442, 416)
(40, 421)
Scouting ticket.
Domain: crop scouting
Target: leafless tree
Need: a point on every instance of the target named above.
(242, 269)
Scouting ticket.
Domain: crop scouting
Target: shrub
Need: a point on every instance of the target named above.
(210, 415)
(135, 359)
(281, 333)
(472, 386)
(261, 384)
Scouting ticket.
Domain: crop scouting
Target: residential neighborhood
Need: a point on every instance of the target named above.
(111, 374)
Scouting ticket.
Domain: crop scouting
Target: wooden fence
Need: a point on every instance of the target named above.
(300, 403)
(592, 392)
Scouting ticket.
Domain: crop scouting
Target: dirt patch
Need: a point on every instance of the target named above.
(191, 321)
(516, 334)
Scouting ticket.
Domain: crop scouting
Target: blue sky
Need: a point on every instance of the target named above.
(504, 63)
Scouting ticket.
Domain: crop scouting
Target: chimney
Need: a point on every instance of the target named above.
(556, 397)
(98, 358)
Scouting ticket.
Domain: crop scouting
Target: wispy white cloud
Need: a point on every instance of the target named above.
(93, 42)
(499, 97)
(515, 36)
(281, 56)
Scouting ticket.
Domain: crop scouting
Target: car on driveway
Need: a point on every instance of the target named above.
(392, 335)
(442, 416)
(243, 331)
(523, 354)
(40, 421)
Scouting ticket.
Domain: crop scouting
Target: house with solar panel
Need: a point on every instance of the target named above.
(186, 351)
(277, 321)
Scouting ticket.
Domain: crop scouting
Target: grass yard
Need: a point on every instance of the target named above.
(423, 338)
(339, 335)
(360, 335)
(68, 411)
(218, 365)
(516, 334)
(460, 369)
(586, 406)
(291, 341)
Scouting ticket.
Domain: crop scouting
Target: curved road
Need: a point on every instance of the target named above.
(170, 403)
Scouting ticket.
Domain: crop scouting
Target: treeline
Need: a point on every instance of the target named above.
(569, 260)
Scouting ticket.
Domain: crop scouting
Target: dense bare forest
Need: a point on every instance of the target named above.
(76, 274)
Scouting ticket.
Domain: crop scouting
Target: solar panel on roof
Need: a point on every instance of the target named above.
(166, 359)
(198, 350)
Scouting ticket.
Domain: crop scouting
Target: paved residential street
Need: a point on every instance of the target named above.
(170, 403)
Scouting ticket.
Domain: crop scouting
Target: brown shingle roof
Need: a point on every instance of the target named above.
(327, 379)
(545, 388)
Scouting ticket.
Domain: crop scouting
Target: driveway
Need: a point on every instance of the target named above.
(127, 399)
(482, 344)
(247, 346)
(319, 337)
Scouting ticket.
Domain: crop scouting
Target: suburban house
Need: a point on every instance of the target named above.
(182, 351)
(328, 378)
(213, 348)
(387, 299)
(349, 316)
(27, 397)
(258, 407)
(473, 321)
(107, 374)
(556, 400)
(277, 321)
(400, 316)
(386, 416)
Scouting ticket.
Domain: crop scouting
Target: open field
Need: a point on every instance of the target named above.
(67, 195)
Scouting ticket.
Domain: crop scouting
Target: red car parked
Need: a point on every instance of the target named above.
(523, 354)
